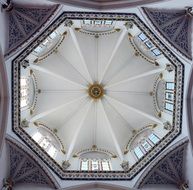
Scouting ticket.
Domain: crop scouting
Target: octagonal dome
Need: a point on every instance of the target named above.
(99, 85)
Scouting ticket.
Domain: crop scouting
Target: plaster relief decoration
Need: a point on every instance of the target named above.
(24, 21)
(95, 113)
(25, 168)
(169, 169)
(175, 26)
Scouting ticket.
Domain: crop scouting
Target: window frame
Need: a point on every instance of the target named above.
(24, 87)
(137, 155)
(154, 52)
(154, 136)
(171, 89)
(171, 104)
(147, 143)
(169, 93)
(100, 163)
(144, 38)
(49, 145)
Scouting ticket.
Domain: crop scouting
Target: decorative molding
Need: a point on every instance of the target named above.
(25, 167)
(175, 26)
(136, 133)
(156, 92)
(66, 164)
(51, 51)
(168, 168)
(96, 149)
(125, 165)
(25, 63)
(24, 123)
(140, 53)
(97, 34)
(35, 84)
(25, 22)
(40, 124)
(99, 175)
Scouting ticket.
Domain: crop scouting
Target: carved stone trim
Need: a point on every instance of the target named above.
(125, 165)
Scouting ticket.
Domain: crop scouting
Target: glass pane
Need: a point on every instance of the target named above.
(23, 82)
(37, 136)
(146, 146)
(149, 44)
(108, 22)
(105, 165)
(53, 35)
(98, 22)
(38, 49)
(84, 165)
(46, 42)
(23, 102)
(169, 96)
(142, 36)
(24, 92)
(87, 22)
(156, 52)
(169, 106)
(138, 152)
(153, 138)
(52, 151)
(95, 165)
(169, 86)
(45, 143)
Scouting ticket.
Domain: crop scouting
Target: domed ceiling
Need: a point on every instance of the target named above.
(98, 87)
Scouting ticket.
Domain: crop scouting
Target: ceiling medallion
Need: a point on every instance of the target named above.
(96, 91)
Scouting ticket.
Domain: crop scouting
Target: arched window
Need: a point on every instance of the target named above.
(46, 143)
(46, 44)
(24, 92)
(97, 25)
(148, 44)
(98, 22)
(145, 145)
(169, 96)
(95, 165)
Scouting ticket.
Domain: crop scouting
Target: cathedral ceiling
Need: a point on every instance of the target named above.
(69, 90)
